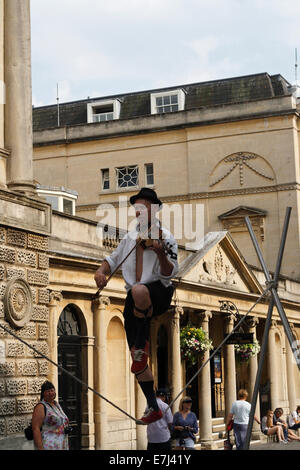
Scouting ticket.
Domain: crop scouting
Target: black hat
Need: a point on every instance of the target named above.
(162, 392)
(146, 193)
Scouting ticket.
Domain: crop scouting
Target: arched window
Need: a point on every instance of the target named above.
(68, 323)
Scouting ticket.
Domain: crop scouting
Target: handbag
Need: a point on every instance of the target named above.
(29, 431)
(230, 425)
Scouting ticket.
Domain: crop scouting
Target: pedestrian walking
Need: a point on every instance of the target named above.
(158, 433)
(239, 412)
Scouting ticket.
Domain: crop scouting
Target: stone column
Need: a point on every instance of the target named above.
(100, 372)
(230, 372)
(176, 373)
(272, 365)
(290, 369)
(18, 109)
(205, 416)
(88, 427)
(253, 365)
(55, 309)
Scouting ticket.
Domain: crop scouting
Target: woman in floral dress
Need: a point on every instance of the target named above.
(49, 422)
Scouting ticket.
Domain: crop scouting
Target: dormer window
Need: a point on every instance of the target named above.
(101, 111)
(167, 101)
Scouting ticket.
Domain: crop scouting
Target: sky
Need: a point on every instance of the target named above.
(97, 48)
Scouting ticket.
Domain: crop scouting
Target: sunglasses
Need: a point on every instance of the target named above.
(187, 401)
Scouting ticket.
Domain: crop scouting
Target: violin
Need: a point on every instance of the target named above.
(148, 243)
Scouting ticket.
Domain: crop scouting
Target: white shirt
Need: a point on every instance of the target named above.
(151, 266)
(241, 410)
(293, 416)
(159, 430)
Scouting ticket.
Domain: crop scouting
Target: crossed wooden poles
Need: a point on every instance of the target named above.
(274, 301)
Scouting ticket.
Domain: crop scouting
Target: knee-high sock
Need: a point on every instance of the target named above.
(148, 390)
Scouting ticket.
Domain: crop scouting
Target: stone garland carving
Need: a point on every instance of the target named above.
(217, 270)
(18, 303)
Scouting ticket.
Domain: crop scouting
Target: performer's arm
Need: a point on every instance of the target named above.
(101, 274)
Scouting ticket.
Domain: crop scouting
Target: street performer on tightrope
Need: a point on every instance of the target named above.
(147, 273)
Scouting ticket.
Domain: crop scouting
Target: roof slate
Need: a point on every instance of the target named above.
(198, 95)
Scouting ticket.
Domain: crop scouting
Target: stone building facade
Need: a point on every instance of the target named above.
(48, 259)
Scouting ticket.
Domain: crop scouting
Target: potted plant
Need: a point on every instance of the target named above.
(245, 351)
(193, 343)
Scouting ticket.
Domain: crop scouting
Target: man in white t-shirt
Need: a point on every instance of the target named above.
(294, 419)
(240, 412)
(158, 433)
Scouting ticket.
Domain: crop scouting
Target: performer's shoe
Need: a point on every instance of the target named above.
(151, 416)
(139, 359)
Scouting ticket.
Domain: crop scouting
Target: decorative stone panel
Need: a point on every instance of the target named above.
(34, 385)
(27, 258)
(16, 237)
(43, 296)
(39, 278)
(26, 405)
(2, 290)
(18, 303)
(36, 242)
(43, 367)
(16, 386)
(43, 331)
(2, 272)
(2, 427)
(7, 369)
(15, 349)
(15, 273)
(16, 425)
(7, 255)
(7, 406)
(28, 332)
(2, 235)
(27, 368)
(2, 388)
(43, 261)
(40, 346)
(1, 309)
(40, 313)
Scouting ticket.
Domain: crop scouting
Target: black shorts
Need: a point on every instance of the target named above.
(160, 296)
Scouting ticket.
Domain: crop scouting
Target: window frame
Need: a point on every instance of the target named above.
(128, 188)
(146, 165)
(103, 103)
(103, 179)
(181, 100)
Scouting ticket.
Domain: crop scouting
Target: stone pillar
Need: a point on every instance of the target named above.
(88, 427)
(205, 416)
(253, 365)
(273, 366)
(55, 309)
(230, 372)
(290, 369)
(176, 373)
(18, 109)
(100, 372)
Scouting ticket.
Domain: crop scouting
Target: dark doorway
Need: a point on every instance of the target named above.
(193, 389)
(162, 358)
(69, 357)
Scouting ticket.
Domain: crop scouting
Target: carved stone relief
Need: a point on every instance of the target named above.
(18, 302)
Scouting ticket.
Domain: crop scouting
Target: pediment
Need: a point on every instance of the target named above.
(219, 263)
(243, 211)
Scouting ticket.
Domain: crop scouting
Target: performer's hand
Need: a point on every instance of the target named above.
(100, 280)
(158, 248)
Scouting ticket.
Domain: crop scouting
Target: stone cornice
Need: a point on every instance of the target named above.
(211, 194)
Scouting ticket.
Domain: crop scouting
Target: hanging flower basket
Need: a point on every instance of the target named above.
(245, 351)
(193, 343)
